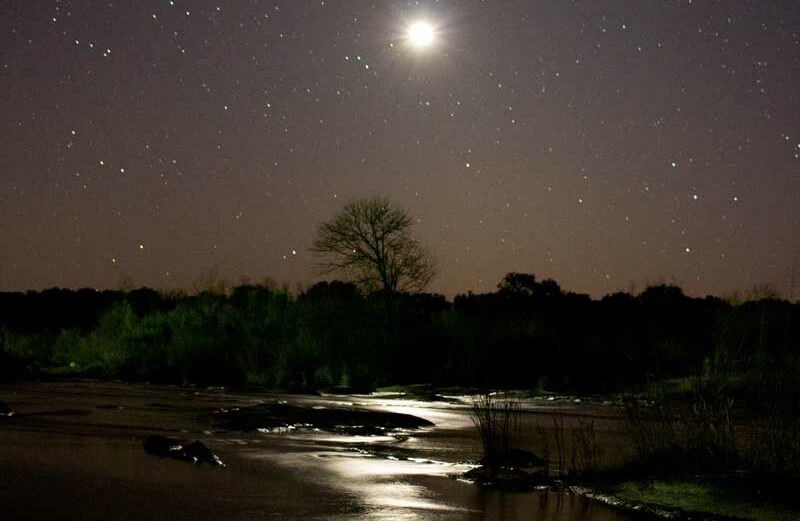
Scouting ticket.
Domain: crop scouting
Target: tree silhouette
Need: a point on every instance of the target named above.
(517, 284)
(370, 241)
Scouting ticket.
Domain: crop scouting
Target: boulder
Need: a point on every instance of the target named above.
(6, 410)
(195, 452)
(507, 478)
(161, 445)
(516, 458)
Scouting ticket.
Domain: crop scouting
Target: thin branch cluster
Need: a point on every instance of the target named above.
(370, 241)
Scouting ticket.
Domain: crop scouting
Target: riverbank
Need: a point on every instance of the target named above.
(588, 460)
(74, 450)
(698, 498)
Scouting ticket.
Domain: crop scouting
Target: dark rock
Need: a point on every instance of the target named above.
(6, 410)
(516, 458)
(507, 478)
(161, 445)
(195, 452)
(280, 416)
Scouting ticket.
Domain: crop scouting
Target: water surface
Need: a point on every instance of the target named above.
(74, 451)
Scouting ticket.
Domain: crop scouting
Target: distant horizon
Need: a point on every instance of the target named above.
(298, 287)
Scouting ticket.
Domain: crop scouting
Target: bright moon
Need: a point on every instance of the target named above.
(420, 34)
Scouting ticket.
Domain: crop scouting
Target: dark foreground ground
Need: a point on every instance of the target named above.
(74, 450)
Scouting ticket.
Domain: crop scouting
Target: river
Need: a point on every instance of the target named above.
(73, 450)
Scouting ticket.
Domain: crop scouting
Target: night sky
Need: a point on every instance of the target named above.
(605, 144)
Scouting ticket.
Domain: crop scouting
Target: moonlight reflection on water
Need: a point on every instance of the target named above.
(93, 466)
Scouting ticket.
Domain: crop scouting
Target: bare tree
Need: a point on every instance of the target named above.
(370, 241)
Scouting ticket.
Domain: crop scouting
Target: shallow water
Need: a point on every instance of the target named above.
(74, 451)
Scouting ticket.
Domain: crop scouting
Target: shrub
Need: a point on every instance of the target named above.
(498, 425)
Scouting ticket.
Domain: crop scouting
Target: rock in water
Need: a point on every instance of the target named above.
(195, 452)
(516, 458)
(6, 410)
(507, 478)
(162, 446)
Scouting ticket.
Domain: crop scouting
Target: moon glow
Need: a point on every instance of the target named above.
(420, 34)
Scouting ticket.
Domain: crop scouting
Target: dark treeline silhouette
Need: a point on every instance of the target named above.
(527, 334)
(53, 310)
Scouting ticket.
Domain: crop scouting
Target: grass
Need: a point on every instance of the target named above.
(704, 445)
(572, 453)
(699, 497)
(498, 424)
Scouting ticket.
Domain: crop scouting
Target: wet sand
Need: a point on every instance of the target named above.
(74, 451)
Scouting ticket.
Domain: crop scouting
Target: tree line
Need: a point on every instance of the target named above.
(377, 327)
(526, 334)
